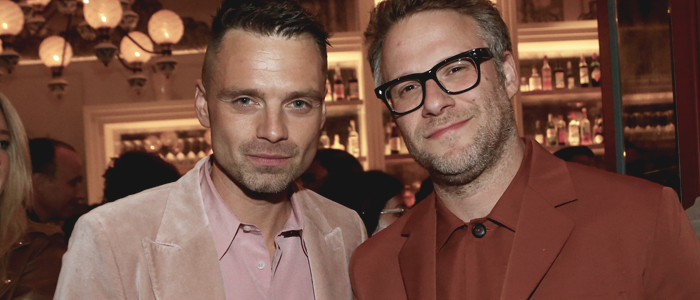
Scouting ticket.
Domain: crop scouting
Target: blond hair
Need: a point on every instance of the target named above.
(18, 184)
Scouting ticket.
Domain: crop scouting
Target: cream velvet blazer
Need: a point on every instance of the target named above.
(158, 244)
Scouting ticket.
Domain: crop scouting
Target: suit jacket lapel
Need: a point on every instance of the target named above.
(542, 231)
(326, 251)
(182, 260)
(417, 256)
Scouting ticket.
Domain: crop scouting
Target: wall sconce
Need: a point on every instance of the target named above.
(136, 49)
(166, 29)
(103, 15)
(11, 23)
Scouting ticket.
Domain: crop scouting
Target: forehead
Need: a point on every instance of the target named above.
(243, 53)
(417, 43)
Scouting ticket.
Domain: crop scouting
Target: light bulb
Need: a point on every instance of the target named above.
(51, 52)
(11, 18)
(165, 27)
(131, 52)
(103, 13)
(39, 3)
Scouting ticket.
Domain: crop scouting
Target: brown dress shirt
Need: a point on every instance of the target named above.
(471, 263)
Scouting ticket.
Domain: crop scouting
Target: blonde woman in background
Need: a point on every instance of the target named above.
(30, 253)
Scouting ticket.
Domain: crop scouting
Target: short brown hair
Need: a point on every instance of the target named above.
(284, 18)
(493, 30)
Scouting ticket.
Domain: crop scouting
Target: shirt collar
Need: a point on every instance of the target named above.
(224, 224)
(505, 212)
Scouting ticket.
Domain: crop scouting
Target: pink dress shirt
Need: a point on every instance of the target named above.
(244, 258)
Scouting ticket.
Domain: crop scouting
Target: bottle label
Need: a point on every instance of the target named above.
(559, 80)
(552, 136)
(595, 74)
(584, 75)
(339, 91)
(571, 83)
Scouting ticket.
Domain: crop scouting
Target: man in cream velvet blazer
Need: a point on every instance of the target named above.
(236, 226)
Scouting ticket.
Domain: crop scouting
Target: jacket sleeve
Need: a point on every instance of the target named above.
(673, 266)
(90, 268)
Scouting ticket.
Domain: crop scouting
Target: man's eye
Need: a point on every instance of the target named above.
(299, 104)
(244, 101)
(4, 145)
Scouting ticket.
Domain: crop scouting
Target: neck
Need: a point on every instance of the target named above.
(269, 212)
(477, 198)
(39, 211)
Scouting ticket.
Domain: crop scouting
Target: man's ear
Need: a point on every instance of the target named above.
(201, 106)
(512, 82)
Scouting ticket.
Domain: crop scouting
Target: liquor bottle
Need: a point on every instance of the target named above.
(324, 141)
(574, 130)
(336, 143)
(570, 80)
(353, 140)
(353, 88)
(329, 91)
(552, 138)
(338, 87)
(563, 136)
(583, 71)
(395, 139)
(539, 137)
(598, 131)
(535, 80)
(546, 75)
(559, 78)
(524, 86)
(585, 129)
(595, 71)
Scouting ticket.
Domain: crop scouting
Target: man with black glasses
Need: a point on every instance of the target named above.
(508, 220)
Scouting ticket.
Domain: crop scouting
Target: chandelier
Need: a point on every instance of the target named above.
(101, 17)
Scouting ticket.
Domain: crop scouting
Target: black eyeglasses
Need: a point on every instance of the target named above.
(454, 75)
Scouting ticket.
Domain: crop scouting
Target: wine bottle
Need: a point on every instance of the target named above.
(563, 135)
(551, 132)
(574, 130)
(595, 71)
(559, 78)
(546, 75)
(535, 80)
(539, 137)
(353, 140)
(338, 87)
(570, 80)
(585, 129)
(353, 88)
(583, 72)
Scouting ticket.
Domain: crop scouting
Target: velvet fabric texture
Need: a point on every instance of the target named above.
(158, 244)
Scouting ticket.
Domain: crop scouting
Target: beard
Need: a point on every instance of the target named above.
(463, 164)
(261, 179)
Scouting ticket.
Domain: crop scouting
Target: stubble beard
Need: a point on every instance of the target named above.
(464, 164)
(262, 179)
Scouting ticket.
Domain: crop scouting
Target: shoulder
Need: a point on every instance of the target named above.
(44, 237)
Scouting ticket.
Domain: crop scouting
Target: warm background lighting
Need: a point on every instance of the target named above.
(165, 27)
(131, 52)
(51, 52)
(103, 13)
(11, 18)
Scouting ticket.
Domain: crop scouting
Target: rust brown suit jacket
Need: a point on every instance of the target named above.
(582, 234)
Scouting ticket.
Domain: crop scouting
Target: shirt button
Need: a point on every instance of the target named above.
(479, 230)
(247, 228)
(261, 265)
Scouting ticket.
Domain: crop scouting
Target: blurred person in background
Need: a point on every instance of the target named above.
(578, 154)
(30, 252)
(57, 175)
(136, 171)
(329, 162)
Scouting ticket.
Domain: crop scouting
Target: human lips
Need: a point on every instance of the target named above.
(443, 130)
(269, 159)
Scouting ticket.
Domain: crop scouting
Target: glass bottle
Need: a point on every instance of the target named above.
(585, 129)
(574, 130)
(583, 71)
(562, 133)
(535, 80)
(546, 75)
(595, 71)
(552, 139)
(353, 140)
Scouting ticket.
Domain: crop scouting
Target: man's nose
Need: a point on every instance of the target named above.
(436, 100)
(272, 126)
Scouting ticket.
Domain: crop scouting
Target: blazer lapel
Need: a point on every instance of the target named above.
(182, 260)
(326, 251)
(417, 256)
(542, 231)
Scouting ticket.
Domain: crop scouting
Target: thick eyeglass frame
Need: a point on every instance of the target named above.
(477, 55)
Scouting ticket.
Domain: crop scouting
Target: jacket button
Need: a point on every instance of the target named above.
(479, 230)
(7, 281)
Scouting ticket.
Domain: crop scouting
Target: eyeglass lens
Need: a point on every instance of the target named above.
(455, 76)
